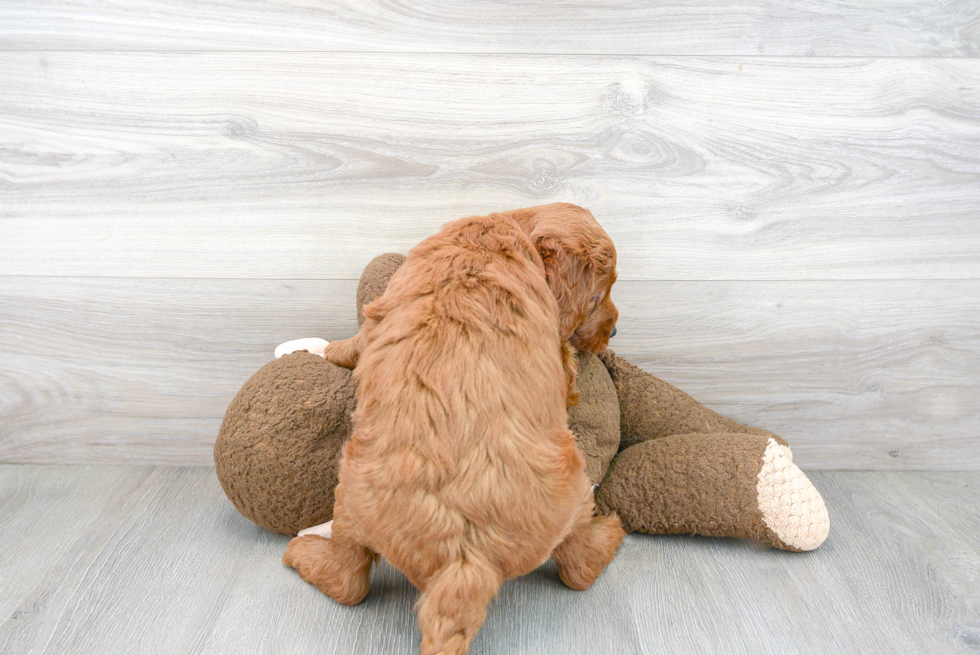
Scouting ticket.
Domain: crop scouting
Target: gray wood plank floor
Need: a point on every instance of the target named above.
(99, 559)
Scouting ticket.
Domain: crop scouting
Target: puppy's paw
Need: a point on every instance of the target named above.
(345, 576)
(312, 345)
(579, 569)
(304, 553)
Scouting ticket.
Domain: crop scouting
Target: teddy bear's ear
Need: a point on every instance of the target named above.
(374, 280)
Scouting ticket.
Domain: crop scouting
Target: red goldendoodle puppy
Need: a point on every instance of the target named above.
(461, 470)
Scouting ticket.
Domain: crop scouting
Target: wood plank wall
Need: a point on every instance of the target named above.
(794, 189)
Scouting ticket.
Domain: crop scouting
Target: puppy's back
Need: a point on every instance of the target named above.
(461, 443)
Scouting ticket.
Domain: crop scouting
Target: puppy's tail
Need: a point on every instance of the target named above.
(454, 604)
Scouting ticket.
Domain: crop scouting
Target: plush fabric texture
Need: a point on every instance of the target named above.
(374, 280)
(652, 409)
(279, 445)
(690, 484)
(595, 420)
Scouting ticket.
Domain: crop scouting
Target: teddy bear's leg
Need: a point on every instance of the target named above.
(588, 548)
(339, 566)
(722, 485)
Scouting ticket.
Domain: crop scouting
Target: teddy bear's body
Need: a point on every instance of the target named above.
(663, 462)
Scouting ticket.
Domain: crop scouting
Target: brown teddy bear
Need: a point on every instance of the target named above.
(662, 461)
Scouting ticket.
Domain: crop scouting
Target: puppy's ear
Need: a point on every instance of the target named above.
(596, 258)
(555, 260)
(601, 259)
(567, 274)
(547, 248)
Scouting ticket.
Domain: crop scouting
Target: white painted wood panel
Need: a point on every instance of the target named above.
(906, 28)
(306, 165)
(118, 370)
(855, 374)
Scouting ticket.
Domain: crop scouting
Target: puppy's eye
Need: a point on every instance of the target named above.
(596, 299)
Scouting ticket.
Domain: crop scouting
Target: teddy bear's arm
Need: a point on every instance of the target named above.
(653, 409)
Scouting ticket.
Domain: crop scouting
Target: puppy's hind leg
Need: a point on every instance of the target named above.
(453, 606)
(588, 547)
(338, 566)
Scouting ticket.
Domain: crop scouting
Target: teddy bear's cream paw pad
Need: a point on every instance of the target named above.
(312, 345)
(323, 530)
(791, 506)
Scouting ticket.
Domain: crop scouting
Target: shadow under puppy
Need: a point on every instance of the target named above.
(461, 470)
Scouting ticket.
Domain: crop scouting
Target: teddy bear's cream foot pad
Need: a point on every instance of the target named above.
(791, 506)
(323, 530)
(312, 345)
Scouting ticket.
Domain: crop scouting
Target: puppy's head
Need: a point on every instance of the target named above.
(580, 265)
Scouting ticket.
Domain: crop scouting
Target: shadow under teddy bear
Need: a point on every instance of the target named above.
(662, 461)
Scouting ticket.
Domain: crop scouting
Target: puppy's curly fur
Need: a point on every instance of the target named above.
(461, 470)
